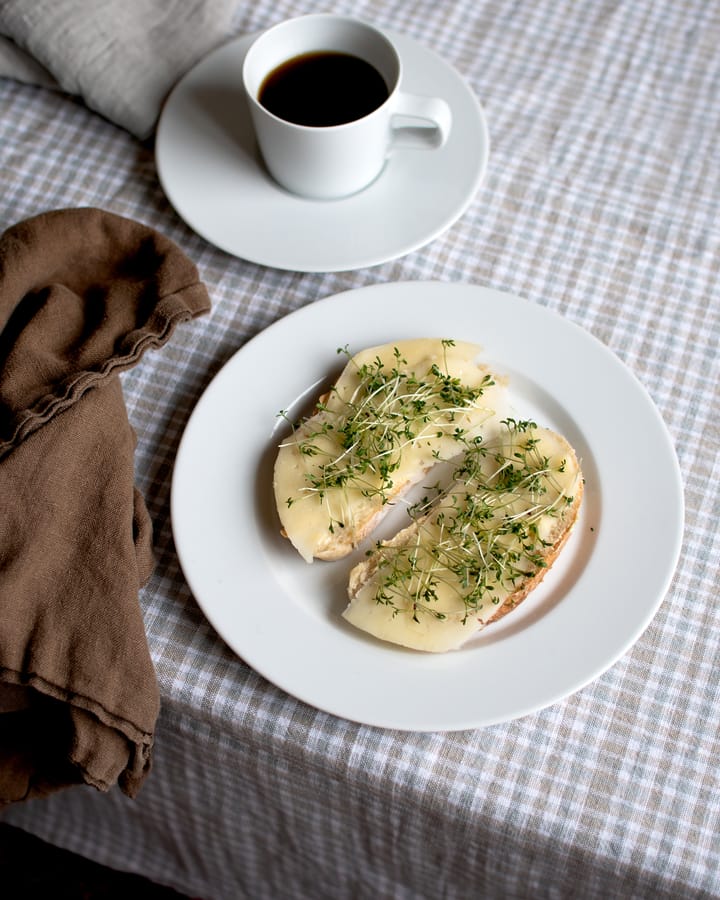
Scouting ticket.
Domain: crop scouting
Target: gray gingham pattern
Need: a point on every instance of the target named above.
(601, 202)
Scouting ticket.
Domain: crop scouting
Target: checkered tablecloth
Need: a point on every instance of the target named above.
(602, 203)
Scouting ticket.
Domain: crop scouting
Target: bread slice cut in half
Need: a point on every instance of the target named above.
(394, 412)
(474, 549)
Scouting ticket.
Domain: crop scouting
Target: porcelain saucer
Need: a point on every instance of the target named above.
(211, 172)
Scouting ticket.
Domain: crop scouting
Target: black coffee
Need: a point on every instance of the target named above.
(322, 89)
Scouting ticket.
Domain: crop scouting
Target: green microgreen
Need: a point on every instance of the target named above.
(480, 537)
(358, 442)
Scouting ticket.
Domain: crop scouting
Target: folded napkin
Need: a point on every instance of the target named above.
(83, 294)
(120, 58)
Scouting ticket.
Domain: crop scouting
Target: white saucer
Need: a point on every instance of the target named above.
(210, 170)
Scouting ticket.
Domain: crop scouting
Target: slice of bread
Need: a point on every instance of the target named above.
(474, 551)
(395, 411)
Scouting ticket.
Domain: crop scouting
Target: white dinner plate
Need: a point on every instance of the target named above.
(211, 172)
(282, 615)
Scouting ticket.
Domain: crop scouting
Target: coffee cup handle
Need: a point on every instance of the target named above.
(419, 121)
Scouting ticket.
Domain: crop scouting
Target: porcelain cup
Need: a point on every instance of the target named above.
(330, 162)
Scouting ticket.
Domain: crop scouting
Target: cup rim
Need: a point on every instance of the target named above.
(268, 32)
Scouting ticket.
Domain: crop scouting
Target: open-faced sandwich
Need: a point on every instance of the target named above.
(478, 542)
(392, 414)
(474, 551)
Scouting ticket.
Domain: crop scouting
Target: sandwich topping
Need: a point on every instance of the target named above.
(505, 496)
(472, 546)
(394, 412)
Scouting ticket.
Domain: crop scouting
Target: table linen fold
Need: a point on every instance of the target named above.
(121, 59)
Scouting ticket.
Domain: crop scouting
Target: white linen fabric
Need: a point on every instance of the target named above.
(602, 203)
(120, 58)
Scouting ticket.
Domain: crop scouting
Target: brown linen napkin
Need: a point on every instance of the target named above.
(83, 293)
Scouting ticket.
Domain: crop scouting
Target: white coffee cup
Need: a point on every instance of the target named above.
(333, 161)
